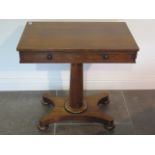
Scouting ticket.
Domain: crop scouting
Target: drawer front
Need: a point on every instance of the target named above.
(76, 57)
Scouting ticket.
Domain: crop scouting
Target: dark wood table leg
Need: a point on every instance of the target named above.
(76, 103)
(76, 106)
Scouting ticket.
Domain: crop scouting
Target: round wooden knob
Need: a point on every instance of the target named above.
(49, 56)
(105, 56)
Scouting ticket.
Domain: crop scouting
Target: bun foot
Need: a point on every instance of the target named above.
(109, 126)
(43, 128)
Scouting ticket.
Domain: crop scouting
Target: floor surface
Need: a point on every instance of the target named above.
(133, 112)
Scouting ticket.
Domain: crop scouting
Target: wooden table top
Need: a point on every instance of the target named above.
(79, 36)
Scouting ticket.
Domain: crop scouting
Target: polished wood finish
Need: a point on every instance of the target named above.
(76, 89)
(77, 43)
(77, 36)
(76, 57)
(76, 103)
(92, 114)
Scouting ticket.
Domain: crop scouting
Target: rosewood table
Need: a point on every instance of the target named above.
(77, 43)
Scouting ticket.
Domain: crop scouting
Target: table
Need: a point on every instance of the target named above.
(77, 43)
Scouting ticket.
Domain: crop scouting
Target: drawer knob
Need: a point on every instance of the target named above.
(49, 57)
(105, 56)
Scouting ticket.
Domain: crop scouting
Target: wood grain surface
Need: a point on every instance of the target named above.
(77, 36)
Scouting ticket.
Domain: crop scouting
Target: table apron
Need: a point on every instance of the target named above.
(76, 57)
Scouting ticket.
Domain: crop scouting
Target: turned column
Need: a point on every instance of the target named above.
(76, 103)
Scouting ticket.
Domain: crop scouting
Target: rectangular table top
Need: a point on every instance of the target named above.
(79, 36)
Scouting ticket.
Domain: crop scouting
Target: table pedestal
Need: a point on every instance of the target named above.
(76, 106)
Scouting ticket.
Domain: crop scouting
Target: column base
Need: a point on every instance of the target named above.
(90, 114)
(75, 110)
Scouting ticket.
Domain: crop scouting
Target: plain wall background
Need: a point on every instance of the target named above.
(16, 76)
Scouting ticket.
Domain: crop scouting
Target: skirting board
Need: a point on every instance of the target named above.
(42, 81)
